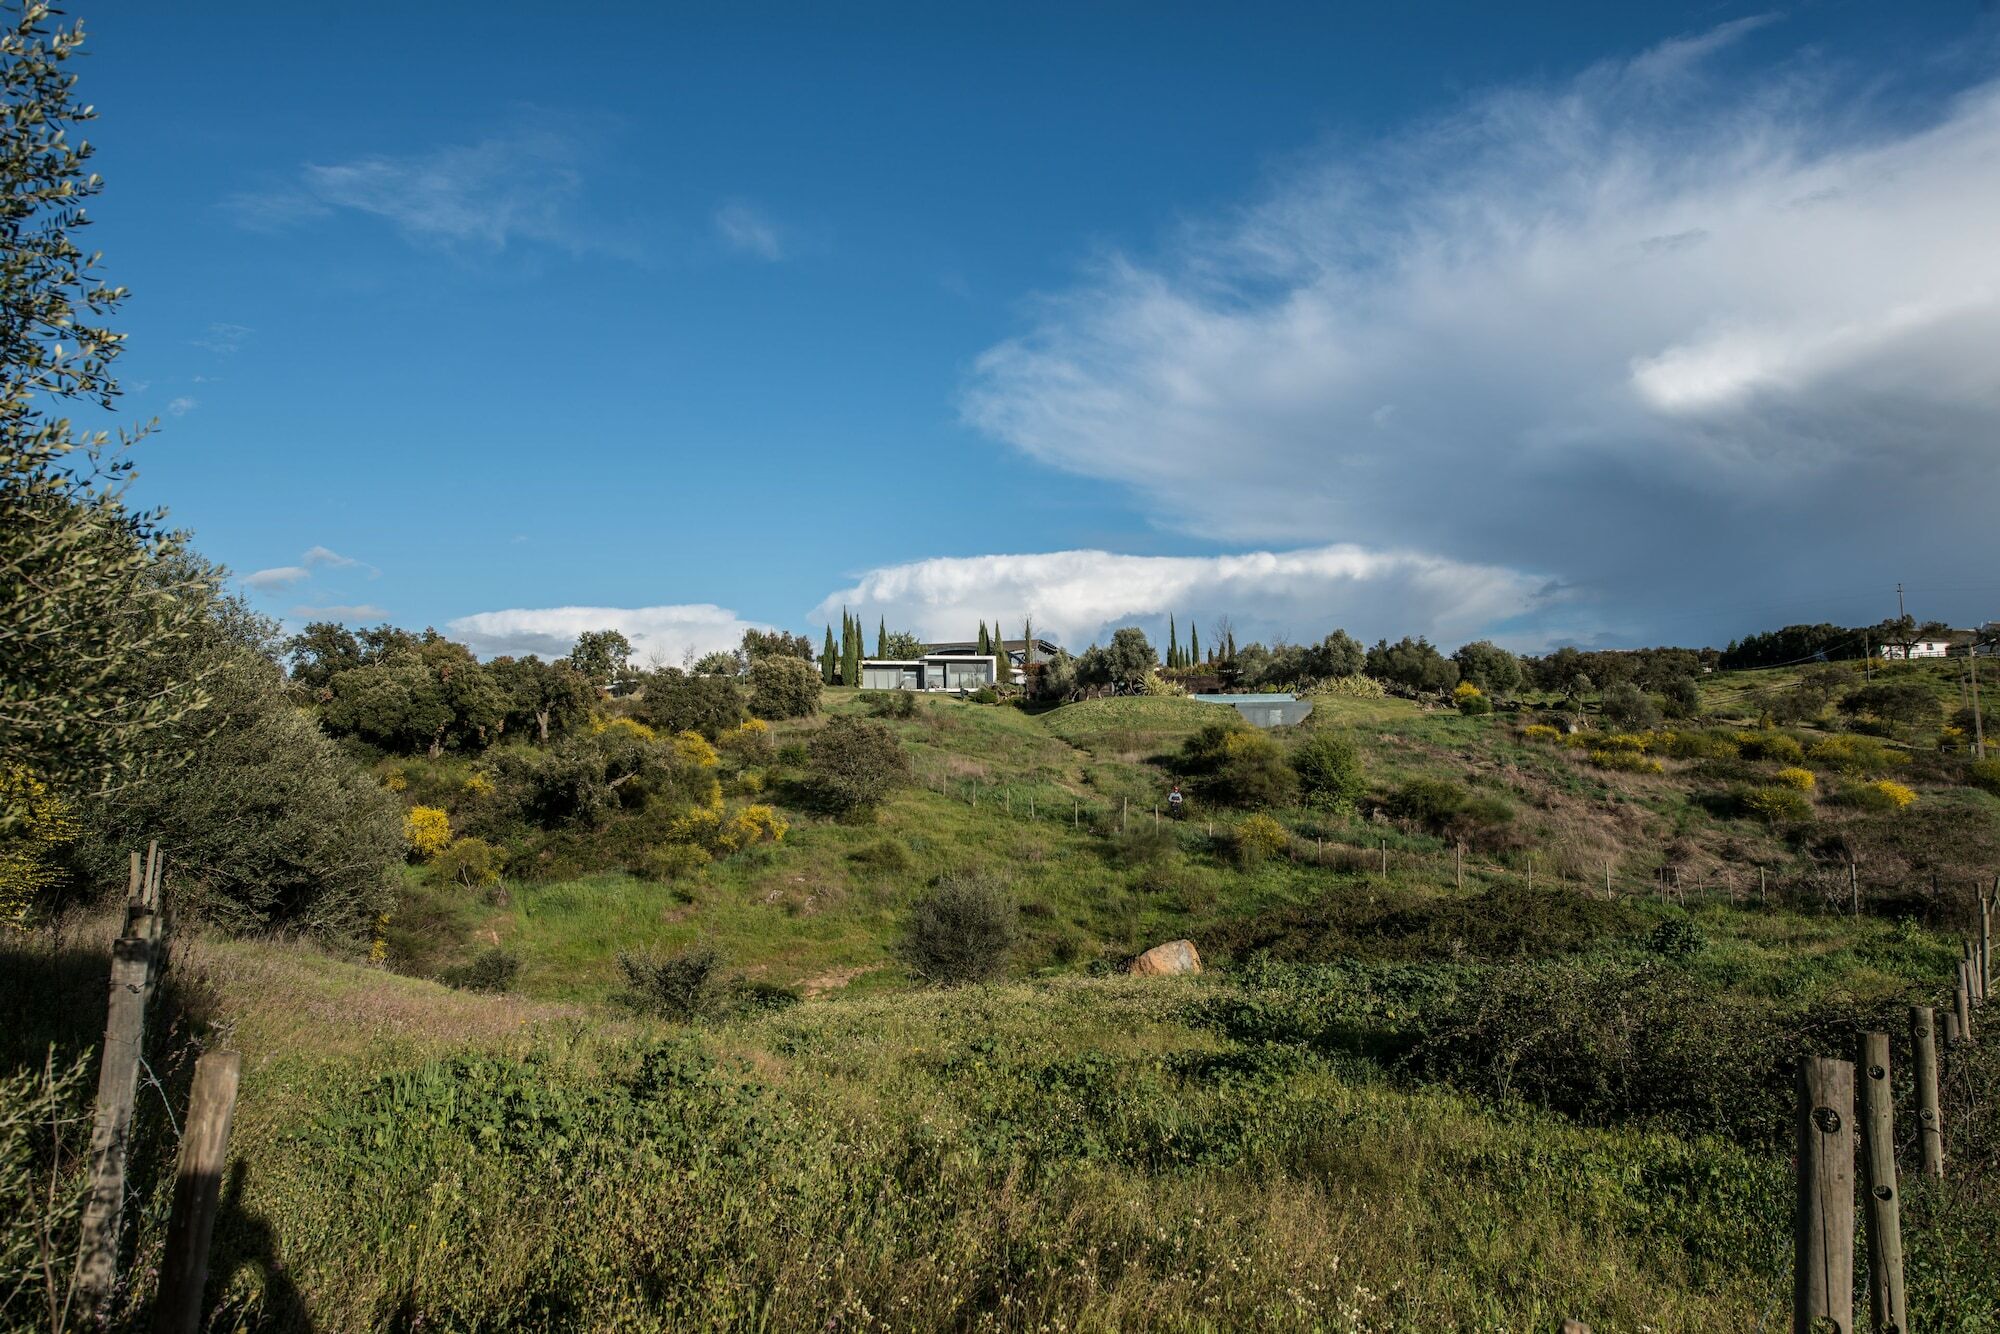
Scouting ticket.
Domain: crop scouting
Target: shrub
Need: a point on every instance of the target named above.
(794, 753)
(1699, 745)
(1626, 761)
(671, 700)
(886, 854)
(1351, 686)
(1328, 766)
(1683, 697)
(1676, 938)
(1984, 775)
(1776, 805)
(1540, 732)
(472, 862)
(748, 744)
(1470, 699)
(1238, 765)
(674, 861)
(426, 831)
(985, 695)
(1856, 756)
(1769, 745)
(892, 703)
(1882, 795)
(1792, 776)
(489, 970)
(753, 824)
(1631, 742)
(784, 687)
(686, 986)
(1259, 837)
(1427, 801)
(964, 930)
(854, 764)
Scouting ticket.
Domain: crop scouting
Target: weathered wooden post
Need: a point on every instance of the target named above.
(110, 1136)
(1823, 1227)
(1883, 1191)
(197, 1190)
(1385, 856)
(1962, 998)
(1124, 809)
(1930, 1126)
(1951, 1037)
(1760, 886)
(1458, 853)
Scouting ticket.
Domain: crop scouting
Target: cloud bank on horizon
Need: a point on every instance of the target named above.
(665, 636)
(1650, 334)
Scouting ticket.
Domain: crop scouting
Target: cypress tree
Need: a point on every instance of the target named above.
(826, 658)
(1003, 666)
(1028, 642)
(985, 644)
(1194, 645)
(1173, 643)
(881, 637)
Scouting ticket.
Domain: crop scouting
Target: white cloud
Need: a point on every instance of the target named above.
(1078, 596)
(278, 576)
(224, 338)
(1652, 332)
(329, 558)
(182, 406)
(522, 184)
(347, 613)
(748, 230)
(663, 635)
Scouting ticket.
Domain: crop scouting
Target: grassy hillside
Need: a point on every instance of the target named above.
(1394, 1102)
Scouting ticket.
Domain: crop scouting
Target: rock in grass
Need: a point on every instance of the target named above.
(1176, 956)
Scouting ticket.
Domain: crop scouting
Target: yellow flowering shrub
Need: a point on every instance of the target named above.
(1541, 732)
(1770, 745)
(1856, 756)
(42, 823)
(748, 783)
(1258, 837)
(699, 826)
(1626, 761)
(427, 831)
(1793, 776)
(752, 824)
(396, 782)
(693, 748)
(1698, 745)
(1951, 738)
(1636, 743)
(479, 785)
(1896, 794)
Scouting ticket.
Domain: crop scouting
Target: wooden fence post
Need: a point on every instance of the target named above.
(1823, 1227)
(1962, 998)
(1124, 809)
(1458, 853)
(1950, 1029)
(1930, 1126)
(1878, 1179)
(197, 1190)
(117, 1089)
(1385, 856)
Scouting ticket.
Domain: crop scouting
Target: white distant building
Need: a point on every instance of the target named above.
(1922, 648)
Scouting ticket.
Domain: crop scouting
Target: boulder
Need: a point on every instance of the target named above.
(1176, 956)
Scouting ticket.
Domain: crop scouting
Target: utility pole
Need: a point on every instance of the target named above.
(1900, 613)
(1978, 726)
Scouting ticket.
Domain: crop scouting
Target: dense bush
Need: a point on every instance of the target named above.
(1881, 795)
(1491, 668)
(1123, 665)
(1430, 802)
(1984, 775)
(964, 930)
(686, 986)
(1856, 756)
(1236, 765)
(1625, 760)
(854, 764)
(1683, 697)
(1412, 663)
(1775, 805)
(1765, 744)
(783, 686)
(471, 862)
(588, 776)
(1328, 766)
(1471, 700)
(1258, 838)
(671, 700)
(892, 703)
(1507, 921)
(490, 970)
(1690, 745)
(1910, 704)
(1793, 776)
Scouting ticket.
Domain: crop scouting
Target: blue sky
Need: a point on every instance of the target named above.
(1594, 323)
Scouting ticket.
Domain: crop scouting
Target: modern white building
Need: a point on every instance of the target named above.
(933, 671)
(1923, 648)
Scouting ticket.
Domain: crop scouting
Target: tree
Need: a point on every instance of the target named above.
(320, 651)
(1027, 642)
(1173, 642)
(551, 697)
(902, 646)
(1683, 697)
(985, 641)
(1238, 765)
(853, 764)
(272, 825)
(671, 700)
(1412, 663)
(783, 688)
(828, 667)
(722, 662)
(1003, 662)
(589, 776)
(1194, 644)
(85, 609)
(767, 643)
(1123, 666)
(1629, 708)
(881, 636)
(1339, 654)
(1492, 668)
(1896, 703)
(601, 656)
